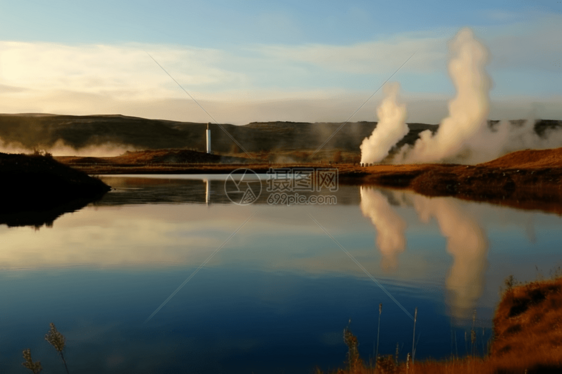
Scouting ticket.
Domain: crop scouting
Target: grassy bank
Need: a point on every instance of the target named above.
(527, 339)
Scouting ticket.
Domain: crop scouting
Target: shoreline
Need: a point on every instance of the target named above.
(522, 187)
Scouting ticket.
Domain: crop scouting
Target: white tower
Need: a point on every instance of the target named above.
(208, 138)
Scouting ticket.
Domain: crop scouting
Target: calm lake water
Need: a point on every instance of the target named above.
(166, 275)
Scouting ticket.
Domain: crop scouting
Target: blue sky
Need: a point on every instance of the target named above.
(260, 60)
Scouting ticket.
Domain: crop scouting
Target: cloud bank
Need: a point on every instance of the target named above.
(306, 82)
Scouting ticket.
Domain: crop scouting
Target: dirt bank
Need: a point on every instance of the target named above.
(527, 179)
(41, 185)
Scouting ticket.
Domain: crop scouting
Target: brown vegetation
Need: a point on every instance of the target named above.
(158, 156)
(527, 339)
(528, 179)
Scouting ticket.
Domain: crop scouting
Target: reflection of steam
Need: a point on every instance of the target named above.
(390, 128)
(389, 225)
(466, 242)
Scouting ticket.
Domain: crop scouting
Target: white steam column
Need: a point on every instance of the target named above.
(208, 138)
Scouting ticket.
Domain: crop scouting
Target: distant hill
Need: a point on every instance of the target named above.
(44, 131)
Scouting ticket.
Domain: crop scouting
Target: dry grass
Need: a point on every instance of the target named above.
(527, 338)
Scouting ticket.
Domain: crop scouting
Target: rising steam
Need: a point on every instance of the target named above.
(390, 227)
(468, 111)
(465, 135)
(390, 128)
(60, 148)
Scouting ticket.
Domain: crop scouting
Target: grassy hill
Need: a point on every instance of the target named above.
(43, 131)
(288, 141)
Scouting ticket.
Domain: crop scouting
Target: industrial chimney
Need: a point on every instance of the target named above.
(208, 138)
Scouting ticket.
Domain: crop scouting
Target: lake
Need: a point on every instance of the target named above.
(166, 274)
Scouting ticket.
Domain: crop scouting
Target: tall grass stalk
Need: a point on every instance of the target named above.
(57, 340)
(378, 335)
(34, 367)
(414, 337)
(473, 334)
(456, 345)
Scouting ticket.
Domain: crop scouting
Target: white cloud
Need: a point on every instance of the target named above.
(316, 82)
(366, 58)
(120, 71)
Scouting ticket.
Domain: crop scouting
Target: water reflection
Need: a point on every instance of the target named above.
(389, 225)
(186, 190)
(41, 216)
(207, 191)
(467, 243)
(281, 290)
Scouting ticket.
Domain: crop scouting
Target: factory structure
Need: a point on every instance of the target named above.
(208, 138)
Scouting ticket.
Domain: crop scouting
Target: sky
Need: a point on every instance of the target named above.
(244, 61)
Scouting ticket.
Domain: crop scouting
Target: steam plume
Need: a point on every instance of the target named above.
(389, 225)
(508, 137)
(60, 148)
(468, 111)
(390, 128)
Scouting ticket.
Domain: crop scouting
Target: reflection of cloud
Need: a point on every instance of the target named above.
(132, 237)
(389, 225)
(466, 242)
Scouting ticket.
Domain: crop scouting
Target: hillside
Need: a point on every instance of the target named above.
(43, 132)
(150, 157)
(266, 141)
(528, 159)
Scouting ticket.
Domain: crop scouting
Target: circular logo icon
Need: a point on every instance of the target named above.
(243, 186)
